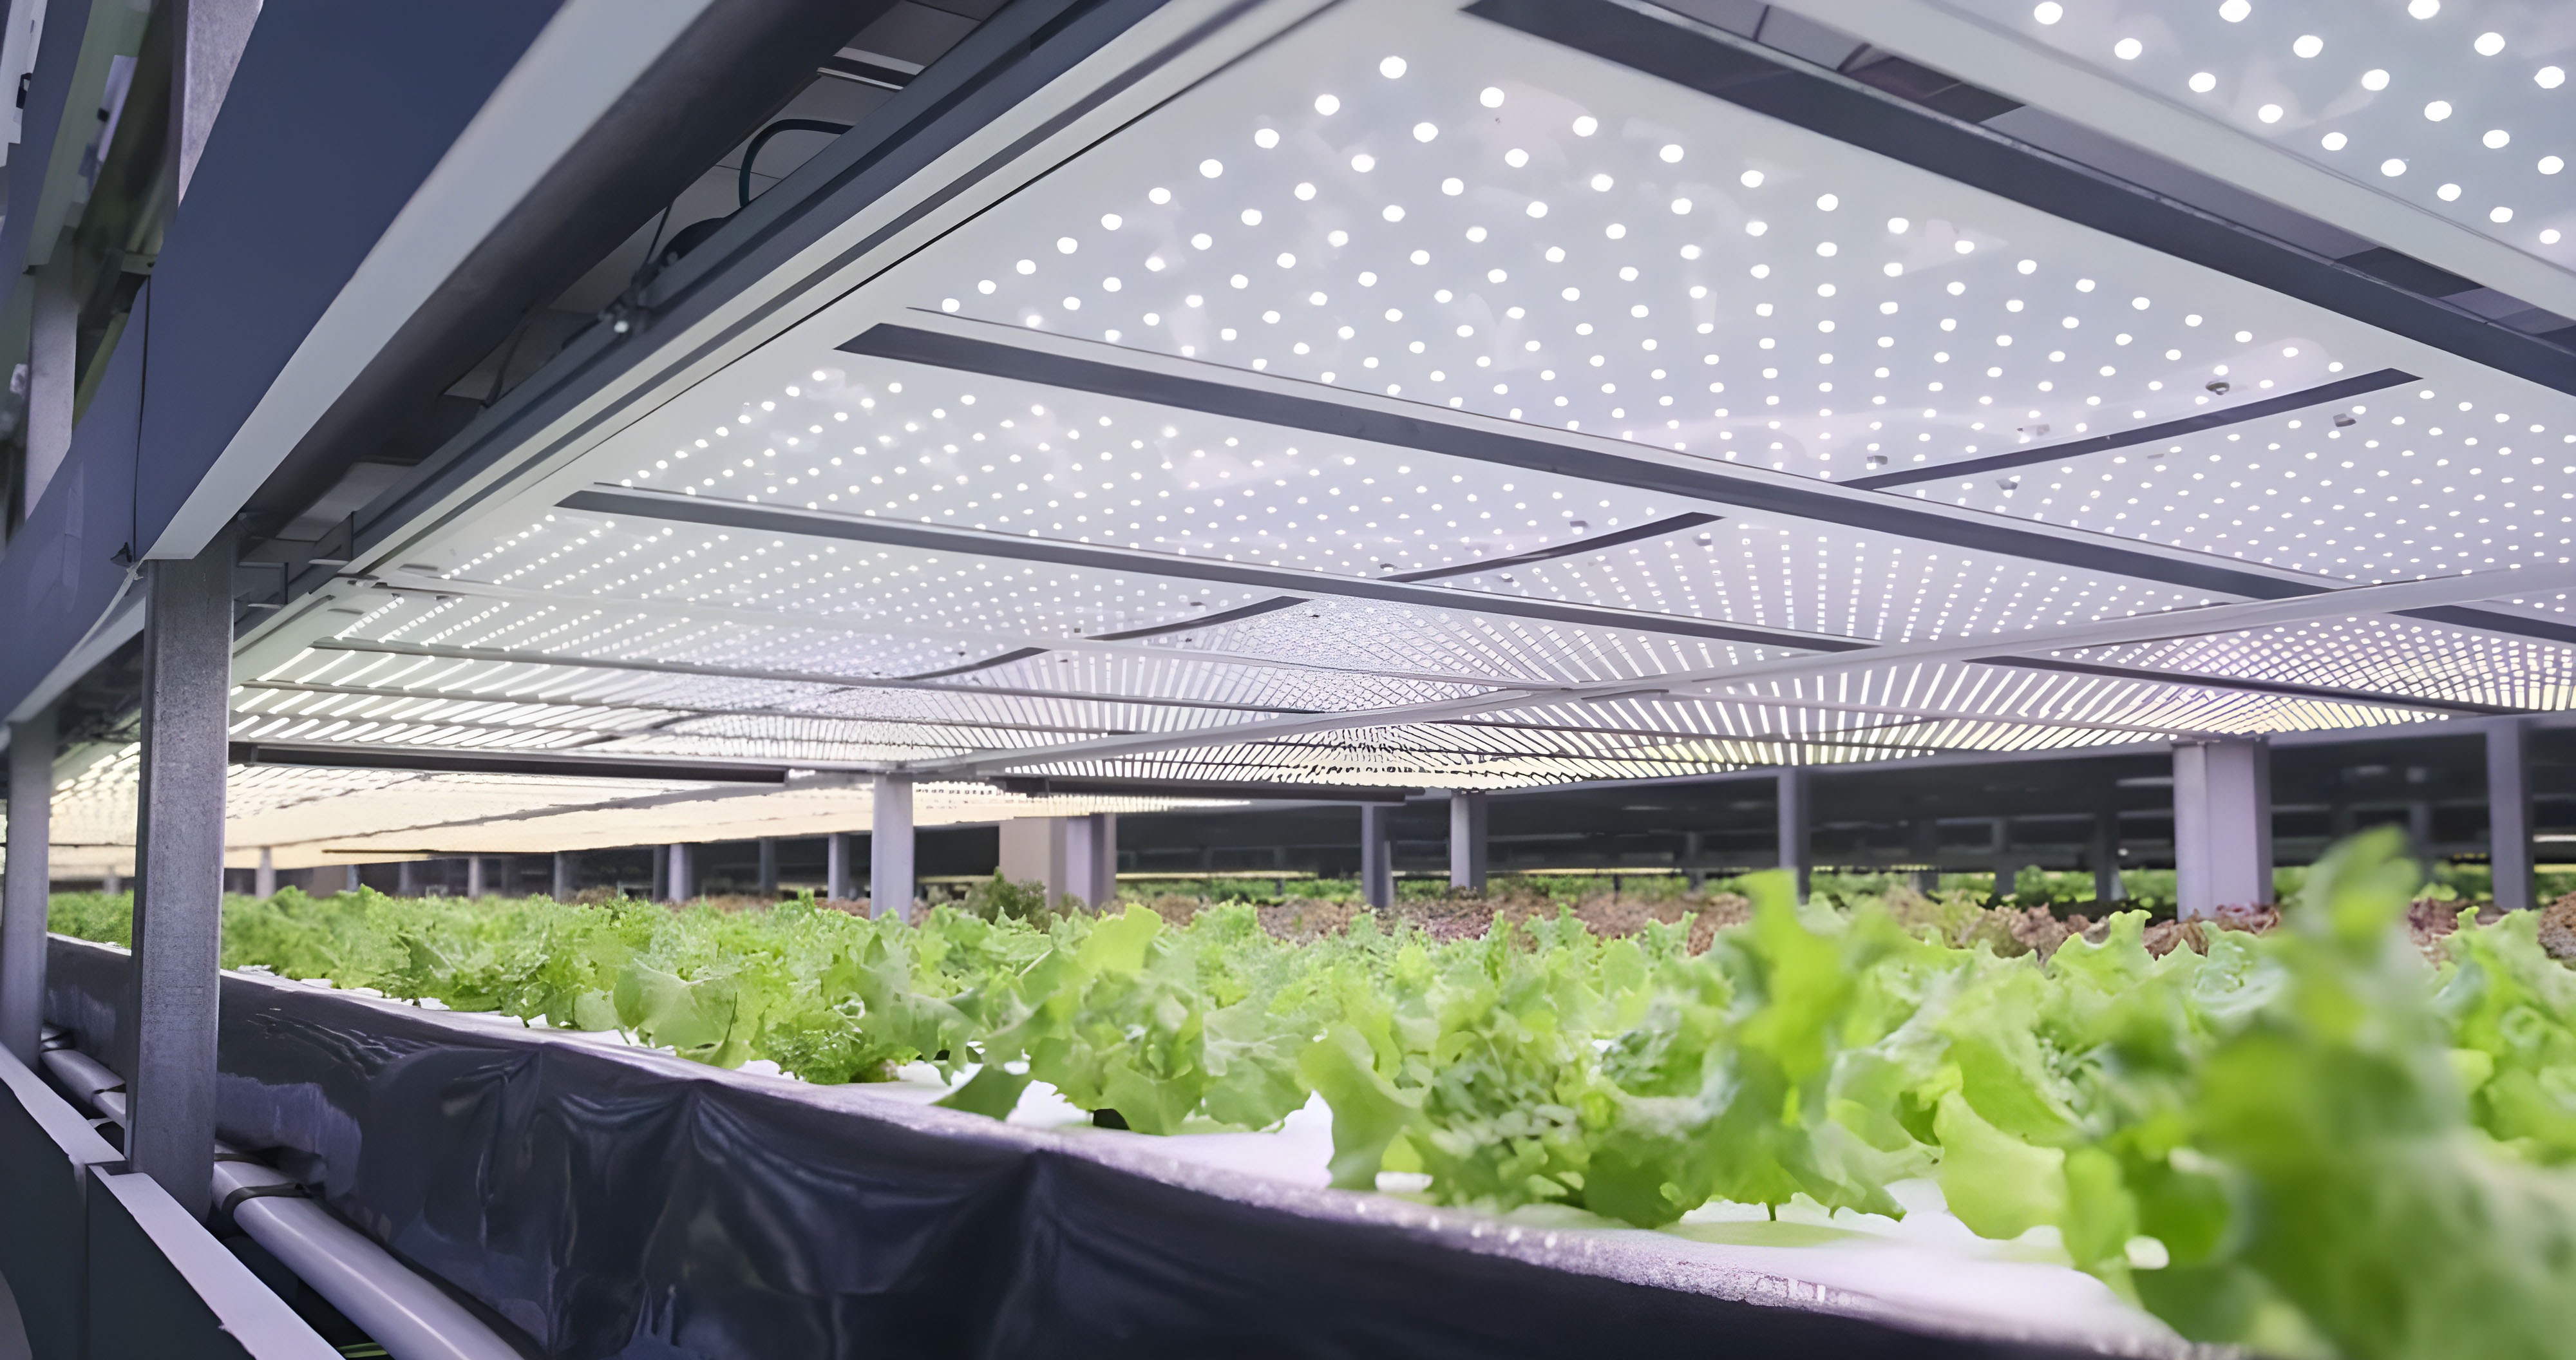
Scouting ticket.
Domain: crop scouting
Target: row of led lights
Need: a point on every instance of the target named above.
(2376, 79)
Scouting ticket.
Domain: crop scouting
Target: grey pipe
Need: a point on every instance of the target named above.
(407, 1315)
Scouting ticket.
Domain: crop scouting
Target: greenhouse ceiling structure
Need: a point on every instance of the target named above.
(1218, 398)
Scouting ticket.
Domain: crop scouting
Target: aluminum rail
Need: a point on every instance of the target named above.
(407, 1315)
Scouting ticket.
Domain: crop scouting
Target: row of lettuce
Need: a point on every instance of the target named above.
(2307, 1141)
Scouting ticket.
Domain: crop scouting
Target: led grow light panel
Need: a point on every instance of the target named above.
(1416, 202)
(2454, 107)
(2382, 654)
(2408, 482)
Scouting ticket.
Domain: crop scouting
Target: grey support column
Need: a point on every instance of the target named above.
(1795, 853)
(1377, 866)
(1091, 859)
(890, 882)
(837, 886)
(474, 884)
(2106, 855)
(27, 891)
(567, 869)
(2222, 825)
(263, 880)
(680, 874)
(52, 373)
(769, 866)
(2509, 815)
(349, 881)
(661, 890)
(179, 866)
(407, 878)
(1467, 840)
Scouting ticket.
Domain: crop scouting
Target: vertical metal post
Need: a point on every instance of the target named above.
(2509, 815)
(263, 882)
(836, 868)
(661, 890)
(1103, 892)
(682, 872)
(110, 884)
(2222, 825)
(1796, 854)
(1467, 840)
(2106, 855)
(52, 374)
(407, 878)
(567, 870)
(28, 887)
(890, 881)
(768, 866)
(474, 884)
(1377, 867)
(1692, 870)
(178, 921)
(349, 880)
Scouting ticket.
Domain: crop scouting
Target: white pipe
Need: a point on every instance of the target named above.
(404, 1313)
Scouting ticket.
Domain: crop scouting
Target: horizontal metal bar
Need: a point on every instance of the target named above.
(528, 762)
(2343, 390)
(1250, 790)
(647, 706)
(753, 673)
(775, 519)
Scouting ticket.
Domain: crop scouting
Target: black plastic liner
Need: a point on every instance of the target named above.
(614, 1203)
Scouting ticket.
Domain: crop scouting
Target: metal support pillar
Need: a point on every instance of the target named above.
(263, 881)
(1091, 860)
(661, 890)
(1467, 840)
(680, 876)
(890, 884)
(407, 878)
(2509, 815)
(567, 871)
(52, 373)
(28, 888)
(474, 884)
(1377, 867)
(1796, 853)
(768, 866)
(179, 865)
(2106, 856)
(1692, 871)
(110, 884)
(349, 880)
(837, 884)
(2222, 825)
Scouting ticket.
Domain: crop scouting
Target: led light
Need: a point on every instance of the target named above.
(2438, 110)
(1326, 105)
(1586, 125)
(2127, 49)
(2550, 165)
(2392, 167)
(2423, 9)
(1211, 168)
(2374, 79)
(2308, 45)
(2048, 11)
(2333, 141)
(2269, 113)
(2499, 215)
(2202, 82)
(1670, 154)
(1423, 132)
(2447, 193)
(2496, 139)
(2234, 11)
(2488, 44)
(1750, 179)
(1490, 97)
(2549, 77)
(1392, 68)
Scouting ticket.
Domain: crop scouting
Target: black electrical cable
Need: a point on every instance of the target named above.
(760, 139)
